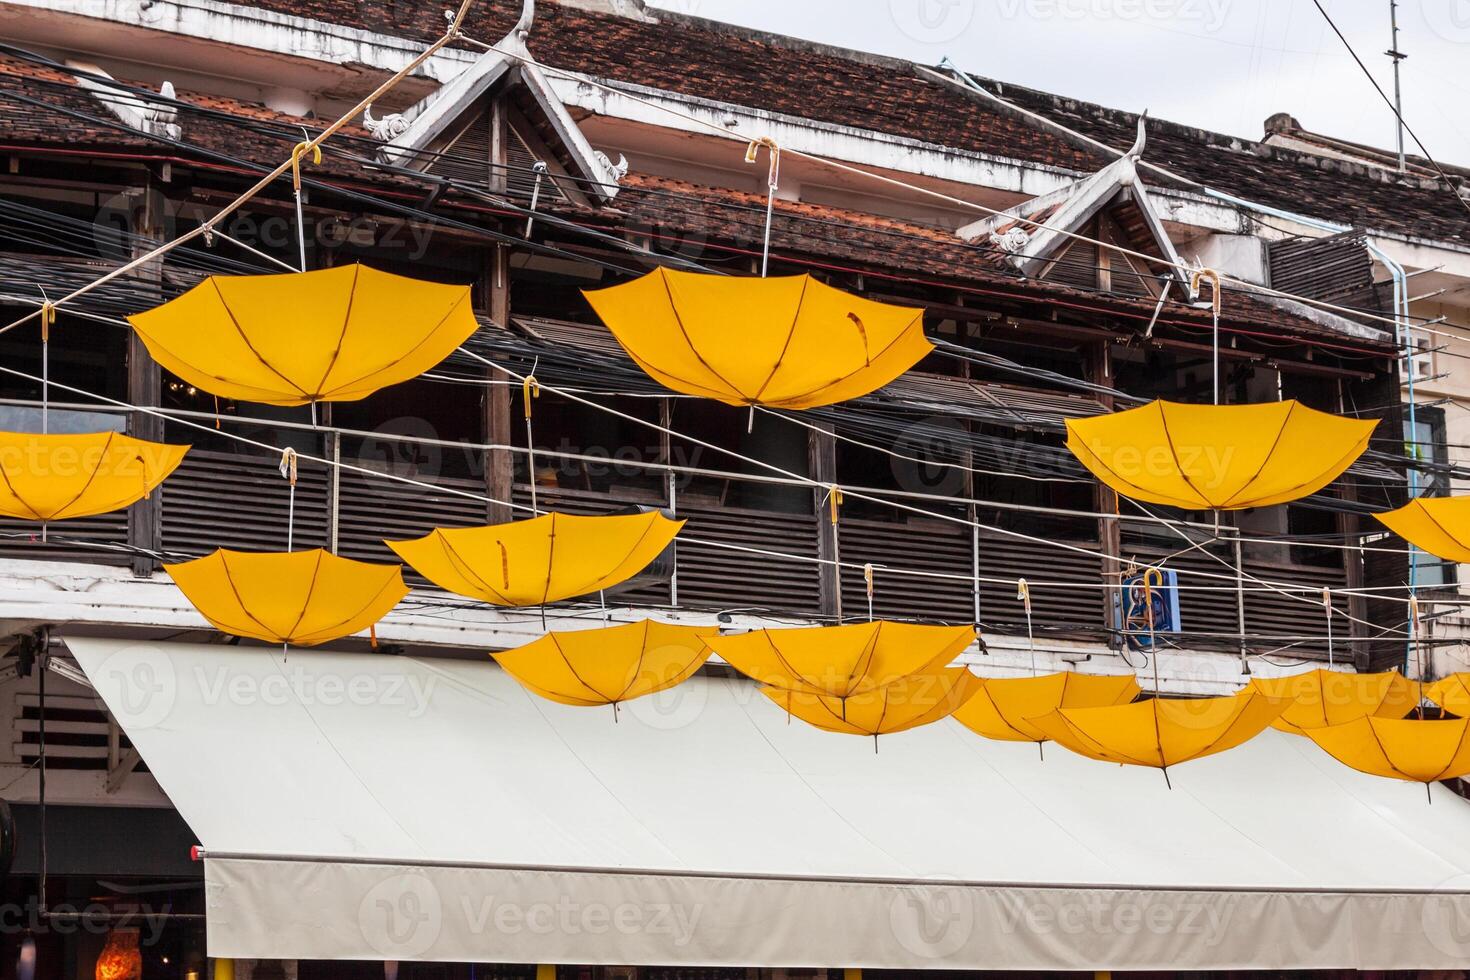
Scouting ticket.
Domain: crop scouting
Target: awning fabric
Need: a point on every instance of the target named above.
(384, 807)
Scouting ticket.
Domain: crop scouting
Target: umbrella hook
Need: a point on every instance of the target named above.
(541, 170)
(834, 499)
(868, 581)
(288, 470)
(316, 157)
(773, 182)
(530, 389)
(1327, 604)
(48, 319)
(1152, 577)
(1023, 593)
(1195, 278)
(1418, 650)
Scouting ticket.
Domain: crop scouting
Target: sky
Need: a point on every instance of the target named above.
(1223, 65)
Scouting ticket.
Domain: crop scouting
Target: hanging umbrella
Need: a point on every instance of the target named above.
(842, 662)
(1326, 697)
(918, 699)
(1161, 732)
(1438, 525)
(56, 477)
(598, 667)
(546, 559)
(1002, 708)
(1218, 457)
(789, 342)
(1413, 750)
(1452, 694)
(333, 335)
(303, 598)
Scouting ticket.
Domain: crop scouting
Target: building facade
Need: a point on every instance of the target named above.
(561, 147)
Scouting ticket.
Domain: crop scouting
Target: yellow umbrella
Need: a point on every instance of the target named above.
(1452, 694)
(1438, 525)
(304, 598)
(1218, 457)
(1162, 732)
(1320, 698)
(1411, 750)
(303, 337)
(789, 342)
(841, 662)
(608, 666)
(1002, 708)
(918, 699)
(56, 477)
(549, 558)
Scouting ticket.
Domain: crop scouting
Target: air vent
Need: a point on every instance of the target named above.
(76, 731)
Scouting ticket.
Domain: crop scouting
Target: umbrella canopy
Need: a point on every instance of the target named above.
(546, 559)
(591, 668)
(1161, 732)
(1001, 708)
(1438, 525)
(55, 477)
(331, 335)
(1218, 457)
(788, 342)
(1320, 698)
(304, 598)
(1452, 694)
(918, 699)
(842, 661)
(1413, 750)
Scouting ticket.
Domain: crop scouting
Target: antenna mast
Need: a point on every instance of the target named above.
(1398, 94)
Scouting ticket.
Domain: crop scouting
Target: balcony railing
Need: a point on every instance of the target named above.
(729, 558)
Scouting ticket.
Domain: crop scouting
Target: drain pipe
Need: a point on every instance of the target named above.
(1402, 337)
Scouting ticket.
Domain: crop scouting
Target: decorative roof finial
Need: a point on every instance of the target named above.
(1137, 149)
(528, 17)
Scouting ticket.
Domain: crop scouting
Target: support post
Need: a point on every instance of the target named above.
(1245, 663)
(145, 388)
(666, 456)
(822, 467)
(1105, 500)
(499, 463)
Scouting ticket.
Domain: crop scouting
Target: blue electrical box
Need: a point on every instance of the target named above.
(1130, 611)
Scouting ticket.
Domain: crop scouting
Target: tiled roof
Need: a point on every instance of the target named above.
(739, 66)
(43, 107)
(690, 215)
(693, 216)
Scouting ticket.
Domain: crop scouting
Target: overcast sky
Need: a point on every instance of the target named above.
(1221, 64)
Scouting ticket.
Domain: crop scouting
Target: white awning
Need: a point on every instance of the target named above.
(380, 807)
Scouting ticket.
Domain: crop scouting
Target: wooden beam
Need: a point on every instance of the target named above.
(145, 388)
(1105, 499)
(822, 467)
(499, 463)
